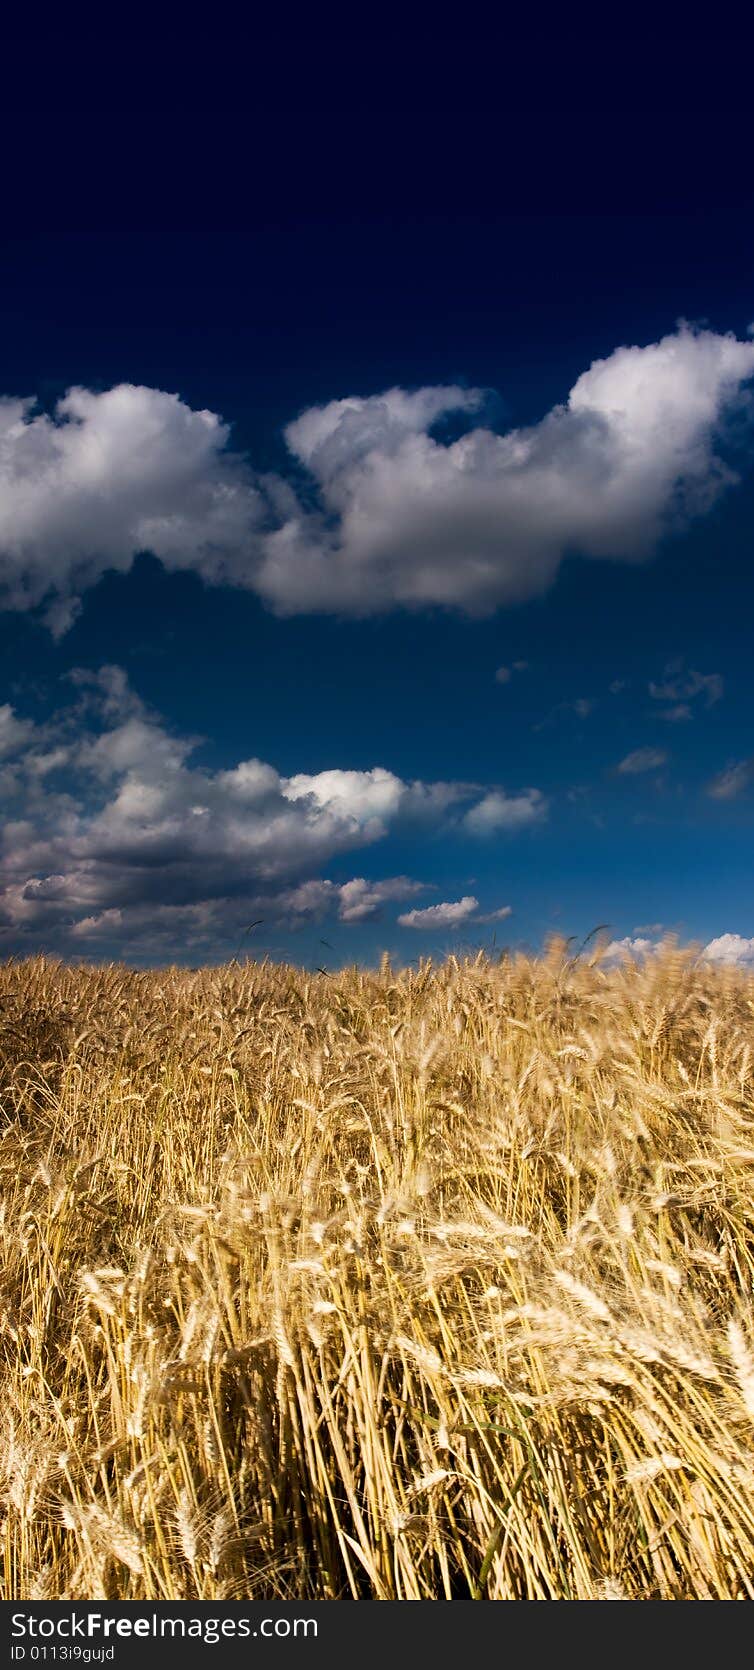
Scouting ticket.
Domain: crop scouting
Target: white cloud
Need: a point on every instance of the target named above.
(448, 915)
(731, 948)
(109, 475)
(733, 781)
(486, 519)
(622, 949)
(498, 811)
(326, 438)
(359, 899)
(642, 759)
(372, 799)
(393, 513)
(112, 834)
(368, 798)
(727, 948)
(503, 675)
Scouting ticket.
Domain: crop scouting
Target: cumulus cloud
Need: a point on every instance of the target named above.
(108, 475)
(114, 835)
(642, 759)
(733, 781)
(731, 948)
(391, 510)
(497, 812)
(486, 519)
(447, 915)
(450, 915)
(369, 798)
(372, 799)
(357, 900)
(622, 949)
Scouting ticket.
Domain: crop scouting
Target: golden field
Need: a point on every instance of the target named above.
(431, 1284)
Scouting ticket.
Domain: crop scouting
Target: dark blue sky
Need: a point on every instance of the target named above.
(267, 245)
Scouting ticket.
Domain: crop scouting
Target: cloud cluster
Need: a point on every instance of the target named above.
(106, 476)
(731, 949)
(391, 507)
(113, 835)
(682, 688)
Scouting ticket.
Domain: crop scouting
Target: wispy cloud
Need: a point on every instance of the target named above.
(682, 688)
(642, 759)
(733, 781)
(688, 685)
(676, 715)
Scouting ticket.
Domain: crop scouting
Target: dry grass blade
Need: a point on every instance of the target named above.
(423, 1285)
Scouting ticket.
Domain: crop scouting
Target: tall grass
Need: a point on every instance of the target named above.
(374, 1285)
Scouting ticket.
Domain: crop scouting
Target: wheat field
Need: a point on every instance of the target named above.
(376, 1285)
